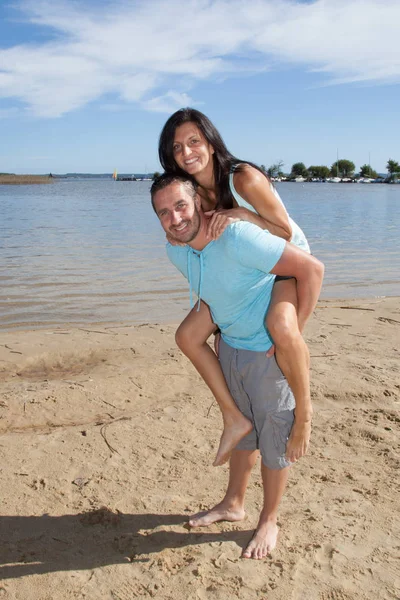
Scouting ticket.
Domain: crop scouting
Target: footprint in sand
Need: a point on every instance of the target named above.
(336, 594)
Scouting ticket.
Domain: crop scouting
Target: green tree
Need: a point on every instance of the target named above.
(320, 171)
(275, 170)
(393, 167)
(263, 169)
(366, 171)
(156, 174)
(299, 170)
(343, 168)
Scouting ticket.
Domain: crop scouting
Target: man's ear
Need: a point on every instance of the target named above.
(197, 202)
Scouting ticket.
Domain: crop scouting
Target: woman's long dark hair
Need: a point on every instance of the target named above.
(224, 161)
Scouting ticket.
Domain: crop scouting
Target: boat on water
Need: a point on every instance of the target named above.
(117, 177)
(299, 179)
(334, 179)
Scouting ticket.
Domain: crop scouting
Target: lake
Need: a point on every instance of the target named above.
(86, 251)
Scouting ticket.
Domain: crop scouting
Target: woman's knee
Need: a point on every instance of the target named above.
(183, 337)
(188, 338)
(283, 326)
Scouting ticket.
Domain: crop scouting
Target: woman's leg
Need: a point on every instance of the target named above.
(293, 358)
(191, 337)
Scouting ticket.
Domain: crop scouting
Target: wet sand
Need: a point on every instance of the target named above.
(107, 440)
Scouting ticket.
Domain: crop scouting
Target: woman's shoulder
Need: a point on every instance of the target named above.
(246, 177)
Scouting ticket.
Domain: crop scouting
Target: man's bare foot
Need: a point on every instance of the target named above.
(299, 440)
(263, 541)
(219, 513)
(231, 436)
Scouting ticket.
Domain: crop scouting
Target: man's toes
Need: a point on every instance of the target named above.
(196, 519)
(248, 552)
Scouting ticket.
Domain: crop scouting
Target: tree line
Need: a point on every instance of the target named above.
(340, 168)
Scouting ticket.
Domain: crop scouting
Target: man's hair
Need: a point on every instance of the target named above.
(167, 179)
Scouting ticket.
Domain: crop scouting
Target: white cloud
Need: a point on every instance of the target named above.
(168, 102)
(137, 51)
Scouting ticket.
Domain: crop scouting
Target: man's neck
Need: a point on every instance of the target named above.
(201, 240)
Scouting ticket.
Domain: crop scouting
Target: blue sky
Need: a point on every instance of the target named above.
(87, 85)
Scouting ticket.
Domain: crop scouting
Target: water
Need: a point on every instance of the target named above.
(81, 251)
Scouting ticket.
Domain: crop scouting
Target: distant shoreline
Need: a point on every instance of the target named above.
(25, 179)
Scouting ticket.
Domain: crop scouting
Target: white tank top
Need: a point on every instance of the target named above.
(298, 237)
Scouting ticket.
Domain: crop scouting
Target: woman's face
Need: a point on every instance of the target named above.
(191, 150)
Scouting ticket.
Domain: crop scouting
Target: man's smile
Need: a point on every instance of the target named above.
(180, 227)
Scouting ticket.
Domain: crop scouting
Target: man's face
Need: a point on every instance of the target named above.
(178, 212)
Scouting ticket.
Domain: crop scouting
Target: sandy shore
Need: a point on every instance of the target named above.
(24, 179)
(107, 440)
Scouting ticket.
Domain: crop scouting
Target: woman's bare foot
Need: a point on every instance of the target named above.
(220, 512)
(231, 436)
(263, 541)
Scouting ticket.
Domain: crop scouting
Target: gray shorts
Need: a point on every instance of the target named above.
(263, 395)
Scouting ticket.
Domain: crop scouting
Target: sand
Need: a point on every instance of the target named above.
(107, 439)
(11, 179)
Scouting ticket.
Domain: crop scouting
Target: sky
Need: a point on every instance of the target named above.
(86, 86)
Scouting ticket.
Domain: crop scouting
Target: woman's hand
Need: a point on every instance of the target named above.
(174, 242)
(220, 219)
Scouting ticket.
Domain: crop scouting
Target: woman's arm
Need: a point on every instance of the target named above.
(255, 188)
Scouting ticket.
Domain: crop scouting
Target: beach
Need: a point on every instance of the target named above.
(107, 439)
(11, 179)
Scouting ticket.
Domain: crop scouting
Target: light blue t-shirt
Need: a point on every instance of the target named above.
(232, 275)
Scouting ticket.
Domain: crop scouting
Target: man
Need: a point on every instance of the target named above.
(234, 275)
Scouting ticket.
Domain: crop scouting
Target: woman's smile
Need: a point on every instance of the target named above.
(192, 152)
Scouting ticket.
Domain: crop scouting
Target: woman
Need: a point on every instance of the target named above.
(232, 190)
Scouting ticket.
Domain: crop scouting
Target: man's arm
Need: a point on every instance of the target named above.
(309, 273)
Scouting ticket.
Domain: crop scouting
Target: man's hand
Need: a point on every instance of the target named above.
(271, 351)
(299, 440)
(219, 221)
(217, 339)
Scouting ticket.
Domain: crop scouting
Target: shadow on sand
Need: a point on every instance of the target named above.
(37, 545)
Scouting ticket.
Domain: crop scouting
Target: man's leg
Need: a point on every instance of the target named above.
(272, 404)
(231, 508)
(266, 534)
